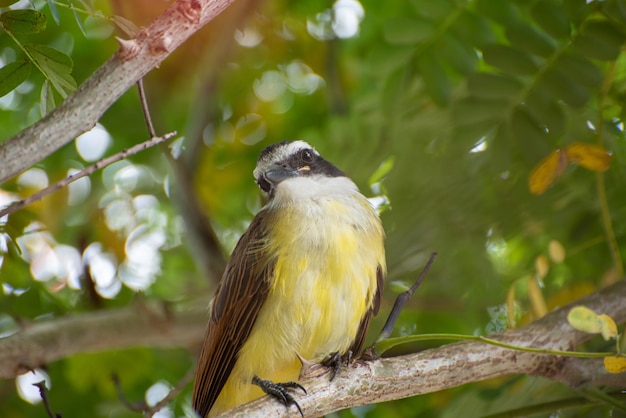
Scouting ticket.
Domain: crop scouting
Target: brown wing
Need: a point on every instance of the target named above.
(357, 345)
(237, 302)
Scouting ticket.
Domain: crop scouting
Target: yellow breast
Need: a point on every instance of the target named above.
(327, 251)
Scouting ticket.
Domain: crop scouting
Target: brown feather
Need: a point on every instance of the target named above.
(239, 297)
(359, 340)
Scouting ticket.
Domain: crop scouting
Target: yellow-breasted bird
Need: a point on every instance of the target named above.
(303, 281)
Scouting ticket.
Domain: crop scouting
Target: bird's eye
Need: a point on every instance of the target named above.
(307, 156)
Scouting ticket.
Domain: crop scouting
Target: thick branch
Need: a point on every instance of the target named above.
(457, 364)
(362, 383)
(80, 111)
(144, 324)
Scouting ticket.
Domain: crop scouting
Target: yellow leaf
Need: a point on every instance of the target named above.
(542, 266)
(584, 319)
(592, 157)
(608, 328)
(615, 364)
(556, 251)
(537, 301)
(548, 170)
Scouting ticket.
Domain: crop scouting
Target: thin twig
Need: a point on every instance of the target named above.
(15, 206)
(43, 392)
(172, 393)
(145, 108)
(133, 406)
(402, 299)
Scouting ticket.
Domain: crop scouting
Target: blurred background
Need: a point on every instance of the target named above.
(490, 131)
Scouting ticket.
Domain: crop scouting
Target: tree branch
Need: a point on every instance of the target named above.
(361, 383)
(457, 364)
(81, 110)
(145, 324)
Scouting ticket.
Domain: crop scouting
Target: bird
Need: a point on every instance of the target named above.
(301, 285)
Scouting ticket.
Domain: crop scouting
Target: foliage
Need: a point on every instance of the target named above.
(447, 106)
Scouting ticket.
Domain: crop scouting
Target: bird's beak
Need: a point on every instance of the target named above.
(275, 173)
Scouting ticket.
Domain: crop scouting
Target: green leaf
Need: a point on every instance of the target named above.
(408, 31)
(473, 110)
(56, 66)
(599, 40)
(548, 111)
(435, 79)
(383, 169)
(54, 11)
(79, 22)
(616, 9)
(462, 58)
(509, 60)
(575, 10)
(529, 39)
(46, 98)
(385, 59)
(433, 9)
(7, 3)
(12, 75)
(493, 86)
(580, 69)
(474, 28)
(563, 86)
(503, 12)
(23, 21)
(549, 15)
(530, 135)
(50, 57)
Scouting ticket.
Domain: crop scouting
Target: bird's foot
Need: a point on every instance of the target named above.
(279, 391)
(335, 361)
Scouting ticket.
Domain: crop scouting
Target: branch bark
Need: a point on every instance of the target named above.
(362, 383)
(81, 110)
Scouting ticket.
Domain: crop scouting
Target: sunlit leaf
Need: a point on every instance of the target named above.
(592, 157)
(547, 171)
(23, 21)
(383, 169)
(615, 364)
(542, 266)
(556, 251)
(535, 295)
(584, 319)
(609, 328)
(12, 75)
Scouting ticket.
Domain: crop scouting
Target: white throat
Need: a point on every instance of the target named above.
(312, 187)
